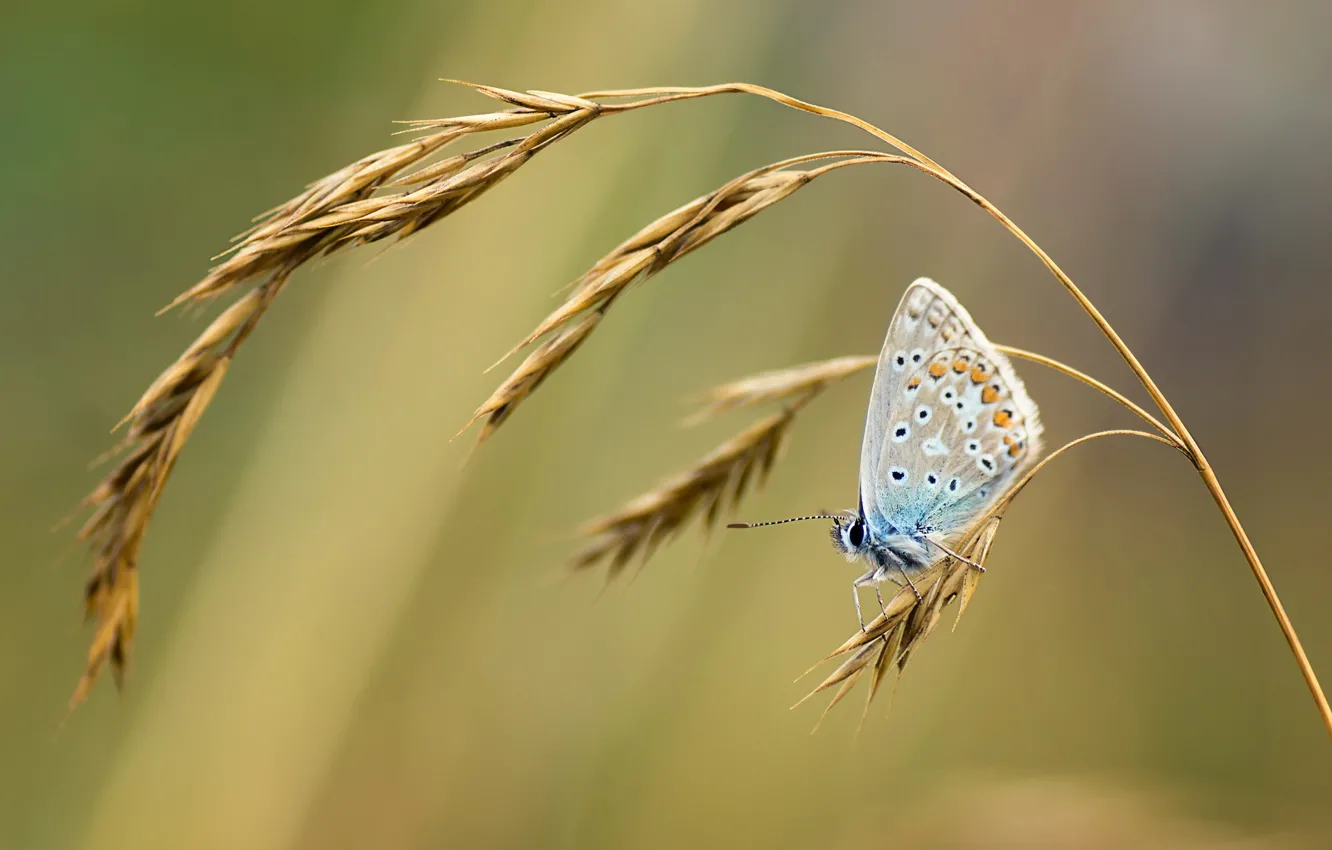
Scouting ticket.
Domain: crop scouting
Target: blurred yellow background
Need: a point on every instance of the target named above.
(350, 640)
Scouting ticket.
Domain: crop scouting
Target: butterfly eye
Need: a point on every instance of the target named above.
(855, 534)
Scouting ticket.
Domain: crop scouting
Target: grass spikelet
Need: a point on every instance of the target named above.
(124, 501)
(907, 620)
(345, 208)
(529, 375)
(712, 485)
(676, 234)
(781, 385)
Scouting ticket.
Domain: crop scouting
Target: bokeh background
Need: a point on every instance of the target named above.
(351, 640)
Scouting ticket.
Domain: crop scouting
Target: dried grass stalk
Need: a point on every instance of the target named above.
(348, 208)
(531, 372)
(663, 242)
(720, 480)
(344, 209)
(781, 384)
(890, 639)
(124, 501)
(340, 210)
(714, 484)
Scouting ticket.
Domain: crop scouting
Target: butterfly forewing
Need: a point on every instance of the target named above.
(949, 425)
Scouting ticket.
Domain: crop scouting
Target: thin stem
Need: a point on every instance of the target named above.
(924, 163)
(1193, 451)
(1095, 384)
(1031, 473)
(670, 94)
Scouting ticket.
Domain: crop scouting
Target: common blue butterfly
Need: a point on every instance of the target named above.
(949, 430)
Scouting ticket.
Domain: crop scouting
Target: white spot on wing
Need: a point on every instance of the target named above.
(933, 447)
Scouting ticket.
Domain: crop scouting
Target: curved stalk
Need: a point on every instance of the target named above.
(1064, 368)
(1192, 450)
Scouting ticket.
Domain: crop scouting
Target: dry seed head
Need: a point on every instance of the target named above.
(892, 636)
(712, 485)
(781, 384)
(529, 375)
(671, 237)
(345, 208)
(649, 519)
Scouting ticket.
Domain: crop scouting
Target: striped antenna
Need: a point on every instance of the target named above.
(782, 521)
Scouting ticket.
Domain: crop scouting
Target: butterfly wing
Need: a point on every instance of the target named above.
(950, 425)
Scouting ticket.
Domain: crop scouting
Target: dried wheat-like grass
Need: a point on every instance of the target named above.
(349, 208)
(124, 501)
(889, 640)
(714, 484)
(781, 384)
(337, 211)
(796, 381)
(717, 482)
(907, 618)
(646, 253)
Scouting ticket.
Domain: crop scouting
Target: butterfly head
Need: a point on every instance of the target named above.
(850, 535)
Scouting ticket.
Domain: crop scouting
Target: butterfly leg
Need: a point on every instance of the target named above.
(901, 568)
(870, 578)
(879, 596)
(910, 584)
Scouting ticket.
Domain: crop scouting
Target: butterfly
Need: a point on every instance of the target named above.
(950, 428)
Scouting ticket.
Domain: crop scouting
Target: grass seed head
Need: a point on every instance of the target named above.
(711, 486)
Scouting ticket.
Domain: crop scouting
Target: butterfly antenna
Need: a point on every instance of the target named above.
(782, 521)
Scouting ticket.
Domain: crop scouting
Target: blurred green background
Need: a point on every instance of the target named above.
(350, 640)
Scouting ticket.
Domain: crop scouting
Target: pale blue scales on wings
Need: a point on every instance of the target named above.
(949, 429)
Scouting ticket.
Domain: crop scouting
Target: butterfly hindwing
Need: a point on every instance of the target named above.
(950, 425)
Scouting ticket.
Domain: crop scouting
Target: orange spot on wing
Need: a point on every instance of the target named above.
(914, 382)
(1003, 419)
(960, 365)
(937, 369)
(989, 395)
(1015, 450)
(978, 374)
